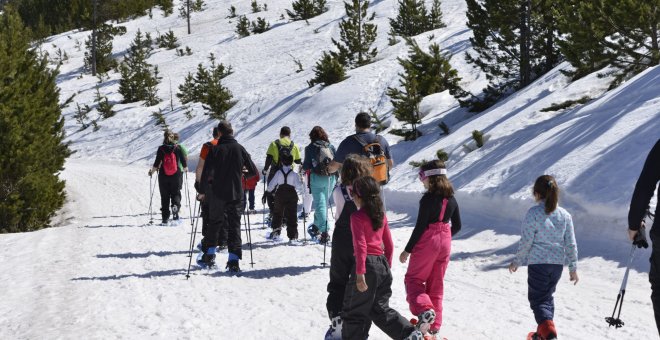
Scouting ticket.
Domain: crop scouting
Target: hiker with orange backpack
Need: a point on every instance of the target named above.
(368, 144)
(166, 164)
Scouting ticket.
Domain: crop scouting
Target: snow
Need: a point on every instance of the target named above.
(106, 273)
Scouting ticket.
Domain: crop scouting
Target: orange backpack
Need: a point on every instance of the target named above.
(376, 154)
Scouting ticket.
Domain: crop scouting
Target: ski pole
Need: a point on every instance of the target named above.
(250, 241)
(263, 205)
(616, 322)
(152, 188)
(190, 211)
(192, 228)
(325, 244)
(191, 247)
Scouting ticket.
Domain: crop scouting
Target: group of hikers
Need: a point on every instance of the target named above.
(352, 175)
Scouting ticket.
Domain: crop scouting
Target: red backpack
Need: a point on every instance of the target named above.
(170, 163)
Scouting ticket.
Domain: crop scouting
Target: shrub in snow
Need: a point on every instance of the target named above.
(232, 12)
(243, 27)
(306, 9)
(442, 155)
(328, 71)
(255, 6)
(260, 26)
(167, 41)
(478, 137)
(413, 18)
(206, 88)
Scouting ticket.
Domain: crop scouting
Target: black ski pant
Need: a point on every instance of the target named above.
(221, 213)
(342, 261)
(286, 206)
(170, 193)
(654, 272)
(372, 305)
(223, 235)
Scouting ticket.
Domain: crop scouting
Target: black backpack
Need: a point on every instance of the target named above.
(283, 152)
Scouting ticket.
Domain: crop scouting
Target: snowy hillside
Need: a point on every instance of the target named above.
(106, 274)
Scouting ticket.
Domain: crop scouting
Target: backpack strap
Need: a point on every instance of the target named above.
(286, 175)
(363, 143)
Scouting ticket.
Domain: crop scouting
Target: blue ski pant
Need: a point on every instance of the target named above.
(541, 284)
(321, 187)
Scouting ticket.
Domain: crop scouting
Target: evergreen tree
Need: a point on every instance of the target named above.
(411, 18)
(103, 106)
(31, 132)
(167, 6)
(81, 115)
(168, 41)
(255, 7)
(357, 34)
(232, 12)
(138, 81)
(306, 9)
(624, 34)
(424, 74)
(434, 20)
(104, 38)
(243, 27)
(206, 87)
(328, 71)
(260, 26)
(515, 43)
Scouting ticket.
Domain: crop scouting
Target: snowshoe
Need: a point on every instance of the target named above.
(233, 267)
(534, 336)
(334, 332)
(325, 238)
(425, 320)
(206, 261)
(274, 235)
(313, 231)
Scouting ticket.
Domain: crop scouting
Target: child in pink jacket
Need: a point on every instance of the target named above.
(430, 245)
(369, 288)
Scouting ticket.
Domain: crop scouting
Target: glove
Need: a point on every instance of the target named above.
(264, 172)
(151, 171)
(640, 239)
(263, 199)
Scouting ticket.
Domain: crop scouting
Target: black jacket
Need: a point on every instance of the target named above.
(223, 169)
(430, 207)
(646, 183)
(160, 155)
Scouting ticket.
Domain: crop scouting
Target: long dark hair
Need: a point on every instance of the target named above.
(547, 189)
(354, 167)
(438, 184)
(318, 133)
(368, 190)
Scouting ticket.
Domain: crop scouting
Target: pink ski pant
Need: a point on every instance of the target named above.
(426, 271)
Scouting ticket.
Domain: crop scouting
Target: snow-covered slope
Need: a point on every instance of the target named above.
(104, 274)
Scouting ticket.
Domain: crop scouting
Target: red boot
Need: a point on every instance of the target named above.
(547, 330)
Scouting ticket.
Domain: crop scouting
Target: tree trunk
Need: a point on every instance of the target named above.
(525, 72)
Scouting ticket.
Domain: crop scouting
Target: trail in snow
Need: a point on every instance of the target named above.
(108, 274)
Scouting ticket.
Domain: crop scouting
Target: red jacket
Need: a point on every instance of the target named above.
(250, 183)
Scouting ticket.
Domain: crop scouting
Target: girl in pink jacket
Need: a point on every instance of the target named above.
(369, 288)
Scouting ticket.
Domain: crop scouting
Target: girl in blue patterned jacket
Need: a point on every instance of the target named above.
(547, 243)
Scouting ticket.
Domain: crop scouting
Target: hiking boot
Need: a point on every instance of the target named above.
(416, 335)
(325, 238)
(313, 231)
(334, 332)
(274, 235)
(425, 320)
(546, 330)
(165, 220)
(175, 213)
(232, 266)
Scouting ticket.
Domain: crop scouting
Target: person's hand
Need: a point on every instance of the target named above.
(404, 256)
(513, 267)
(633, 233)
(263, 199)
(264, 172)
(151, 171)
(201, 197)
(574, 277)
(361, 283)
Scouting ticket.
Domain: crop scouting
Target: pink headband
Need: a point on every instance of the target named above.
(432, 172)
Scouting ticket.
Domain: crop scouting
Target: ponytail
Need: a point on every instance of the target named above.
(368, 190)
(547, 189)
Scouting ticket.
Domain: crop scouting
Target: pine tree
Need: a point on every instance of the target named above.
(104, 38)
(81, 115)
(168, 41)
(434, 20)
(329, 70)
(424, 74)
(411, 19)
(206, 87)
(232, 12)
(167, 6)
(255, 7)
(306, 9)
(138, 81)
(260, 26)
(31, 132)
(103, 106)
(243, 27)
(515, 43)
(357, 34)
(625, 34)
